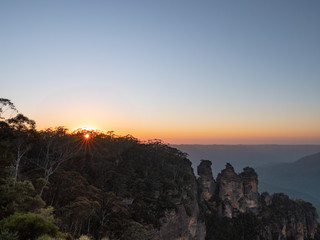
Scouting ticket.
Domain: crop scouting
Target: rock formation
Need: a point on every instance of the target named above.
(230, 190)
(206, 180)
(178, 225)
(184, 222)
(236, 197)
(238, 192)
(250, 190)
(291, 219)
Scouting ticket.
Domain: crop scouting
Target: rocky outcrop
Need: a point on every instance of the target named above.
(250, 190)
(230, 190)
(183, 222)
(238, 192)
(207, 183)
(178, 225)
(287, 218)
(236, 197)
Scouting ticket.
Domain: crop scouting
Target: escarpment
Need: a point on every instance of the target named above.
(238, 192)
(183, 222)
(206, 180)
(234, 209)
(287, 219)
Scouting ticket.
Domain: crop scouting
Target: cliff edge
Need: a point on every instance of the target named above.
(234, 208)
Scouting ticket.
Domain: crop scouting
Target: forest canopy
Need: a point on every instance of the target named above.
(65, 184)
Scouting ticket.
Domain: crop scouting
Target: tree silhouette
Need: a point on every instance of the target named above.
(22, 134)
(56, 148)
(5, 106)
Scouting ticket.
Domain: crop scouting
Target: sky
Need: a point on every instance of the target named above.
(197, 72)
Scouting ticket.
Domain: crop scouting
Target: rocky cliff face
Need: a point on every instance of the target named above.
(287, 219)
(239, 192)
(178, 225)
(230, 190)
(265, 217)
(250, 190)
(183, 222)
(207, 183)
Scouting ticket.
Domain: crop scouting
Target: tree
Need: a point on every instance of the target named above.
(56, 148)
(21, 123)
(15, 131)
(79, 214)
(5, 161)
(23, 133)
(113, 215)
(5, 106)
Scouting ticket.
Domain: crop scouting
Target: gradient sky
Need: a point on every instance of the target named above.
(181, 71)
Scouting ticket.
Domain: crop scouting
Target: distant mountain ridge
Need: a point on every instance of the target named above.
(294, 194)
(312, 161)
(245, 155)
(302, 176)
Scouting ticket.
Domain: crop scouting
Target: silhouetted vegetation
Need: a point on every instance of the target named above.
(244, 227)
(104, 186)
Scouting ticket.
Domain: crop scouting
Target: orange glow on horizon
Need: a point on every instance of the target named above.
(88, 128)
(235, 135)
(215, 125)
(215, 133)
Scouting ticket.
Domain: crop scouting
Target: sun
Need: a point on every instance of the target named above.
(87, 136)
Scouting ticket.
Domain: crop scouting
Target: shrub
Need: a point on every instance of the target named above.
(84, 237)
(47, 237)
(29, 225)
(6, 235)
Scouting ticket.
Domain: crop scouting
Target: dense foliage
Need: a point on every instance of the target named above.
(29, 225)
(103, 186)
(244, 226)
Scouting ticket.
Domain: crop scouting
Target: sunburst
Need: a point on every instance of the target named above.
(86, 142)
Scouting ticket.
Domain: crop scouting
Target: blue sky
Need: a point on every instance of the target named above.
(182, 71)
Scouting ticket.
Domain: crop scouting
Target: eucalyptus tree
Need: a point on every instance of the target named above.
(56, 147)
(23, 133)
(16, 133)
(6, 106)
